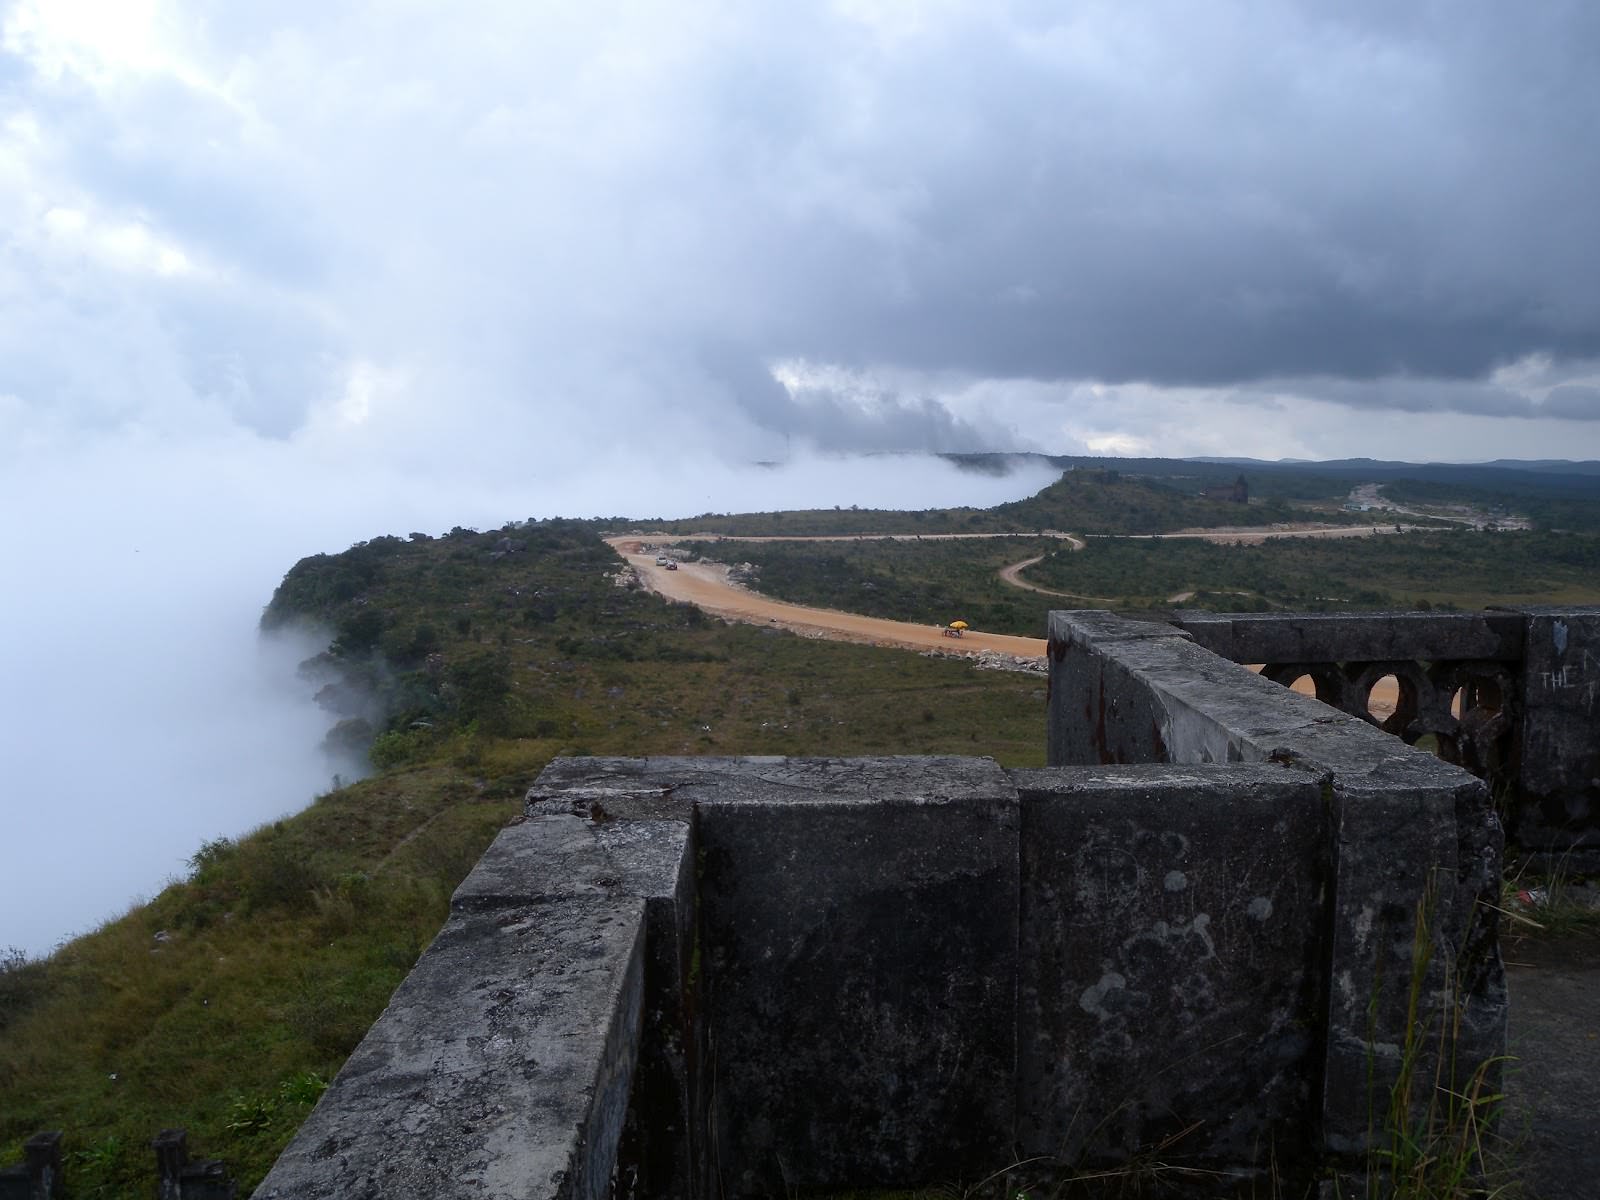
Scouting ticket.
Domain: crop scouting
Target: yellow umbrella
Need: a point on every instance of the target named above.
(958, 625)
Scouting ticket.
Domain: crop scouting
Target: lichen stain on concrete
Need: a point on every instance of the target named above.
(1093, 1000)
(1109, 879)
(1175, 881)
(1198, 927)
(1260, 908)
(1362, 925)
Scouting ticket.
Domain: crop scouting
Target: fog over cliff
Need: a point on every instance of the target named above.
(143, 715)
(275, 278)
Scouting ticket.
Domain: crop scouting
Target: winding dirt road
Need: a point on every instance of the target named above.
(708, 586)
(1225, 536)
(1013, 576)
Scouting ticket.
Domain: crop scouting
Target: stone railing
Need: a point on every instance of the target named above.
(1511, 695)
(42, 1174)
(1196, 930)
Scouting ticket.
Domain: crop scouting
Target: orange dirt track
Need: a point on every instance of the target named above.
(707, 586)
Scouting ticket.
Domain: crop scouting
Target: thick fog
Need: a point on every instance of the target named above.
(143, 714)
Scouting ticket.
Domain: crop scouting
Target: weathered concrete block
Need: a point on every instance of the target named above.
(1559, 772)
(1145, 695)
(1411, 834)
(39, 1175)
(500, 1069)
(1173, 957)
(542, 858)
(859, 932)
(1415, 960)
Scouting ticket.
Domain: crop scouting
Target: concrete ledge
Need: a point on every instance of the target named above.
(749, 976)
(500, 1069)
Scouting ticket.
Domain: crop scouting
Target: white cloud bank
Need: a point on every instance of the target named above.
(142, 715)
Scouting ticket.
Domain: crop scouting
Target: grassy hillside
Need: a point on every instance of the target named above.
(224, 1003)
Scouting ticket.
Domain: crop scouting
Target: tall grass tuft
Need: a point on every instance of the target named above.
(1436, 1140)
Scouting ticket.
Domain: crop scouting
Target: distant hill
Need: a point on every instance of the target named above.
(1555, 493)
(1505, 472)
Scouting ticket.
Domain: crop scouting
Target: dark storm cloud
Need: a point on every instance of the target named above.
(1206, 199)
(1573, 401)
(842, 415)
(1166, 193)
(1372, 209)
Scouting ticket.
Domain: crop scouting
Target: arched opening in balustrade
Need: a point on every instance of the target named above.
(1383, 697)
(1389, 694)
(1482, 702)
(1321, 680)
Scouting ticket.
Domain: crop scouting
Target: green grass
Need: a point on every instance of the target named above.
(1462, 569)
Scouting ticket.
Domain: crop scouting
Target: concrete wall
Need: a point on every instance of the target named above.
(1411, 838)
(758, 976)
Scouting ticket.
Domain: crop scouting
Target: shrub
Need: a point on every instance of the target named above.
(23, 982)
(276, 874)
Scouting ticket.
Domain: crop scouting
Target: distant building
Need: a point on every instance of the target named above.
(1238, 492)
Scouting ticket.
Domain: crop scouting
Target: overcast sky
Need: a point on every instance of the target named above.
(275, 277)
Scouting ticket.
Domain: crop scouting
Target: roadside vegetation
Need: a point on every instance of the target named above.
(1564, 504)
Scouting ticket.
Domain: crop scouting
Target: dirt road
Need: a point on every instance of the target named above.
(1225, 536)
(1253, 535)
(1013, 576)
(707, 585)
